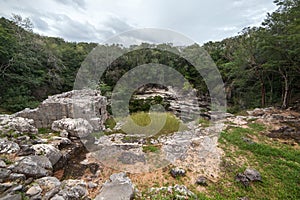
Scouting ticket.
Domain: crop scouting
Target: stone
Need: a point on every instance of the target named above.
(252, 175)
(17, 177)
(48, 183)
(12, 125)
(4, 174)
(201, 180)
(182, 192)
(240, 177)
(2, 164)
(176, 172)
(75, 127)
(248, 140)
(34, 190)
(33, 166)
(92, 185)
(72, 189)
(52, 153)
(86, 104)
(5, 186)
(48, 195)
(7, 146)
(118, 187)
(11, 197)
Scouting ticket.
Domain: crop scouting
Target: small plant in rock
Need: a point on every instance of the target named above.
(150, 148)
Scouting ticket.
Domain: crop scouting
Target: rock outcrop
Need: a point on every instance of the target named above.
(86, 104)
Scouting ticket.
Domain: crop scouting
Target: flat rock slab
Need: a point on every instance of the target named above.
(118, 187)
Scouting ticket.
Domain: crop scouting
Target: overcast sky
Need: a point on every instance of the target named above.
(98, 20)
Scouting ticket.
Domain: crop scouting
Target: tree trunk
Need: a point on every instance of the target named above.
(286, 92)
(263, 95)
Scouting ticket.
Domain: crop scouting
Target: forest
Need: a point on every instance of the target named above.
(260, 66)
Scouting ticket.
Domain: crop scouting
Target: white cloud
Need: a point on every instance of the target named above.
(92, 20)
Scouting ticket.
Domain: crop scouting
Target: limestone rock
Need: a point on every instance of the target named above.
(7, 146)
(118, 187)
(48, 183)
(52, 153)
(10, 124)
(86, 104)
(34, 190)
(75, 127)
(72, 189)
(176, 172)
(33, 166)
(252, 175)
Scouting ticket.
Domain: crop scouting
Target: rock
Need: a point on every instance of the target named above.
(86, 104)
(17, 188)
(17, 177)
(11, 125)
(130, 158)
(248, 140)
(243, 179)
(4, 174)
(34, 190)
(243, 198)
(48, 195)
(26, 150)
(48, 183)
(72, 189)
(5, 186)
(92, 185)
(75, 127)
(11, 197)
(181, 191)
(118, 187)
(201, 180)
(52, 153)
(7, 146)
(2, 164)
(252, 175)
(33, 166)
(176, 172)
(64, 133)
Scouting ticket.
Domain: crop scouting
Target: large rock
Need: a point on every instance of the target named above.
(86, 104)
(52, 153)
(118, 187)
(15, 126)
(75, 127)
(33, 166)
(72, 189)
(7, 146)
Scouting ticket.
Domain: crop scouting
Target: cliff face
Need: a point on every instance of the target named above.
(86, 104)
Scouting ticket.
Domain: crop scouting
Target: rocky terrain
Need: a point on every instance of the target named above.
(51, 153)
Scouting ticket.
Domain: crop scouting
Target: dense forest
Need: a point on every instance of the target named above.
(260, 66)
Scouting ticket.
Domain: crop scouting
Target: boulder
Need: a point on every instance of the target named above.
(48, 183)
(33, 166)
(11, 197)
(118, 187)
(34, 190)
(86, 104)
(75, 127)
(7, 146)
(52, 153)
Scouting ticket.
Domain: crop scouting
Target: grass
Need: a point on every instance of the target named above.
(150, 148)
(278, 164)
(204, 122)
(142, 119)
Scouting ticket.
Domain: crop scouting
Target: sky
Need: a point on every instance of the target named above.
(99, 20)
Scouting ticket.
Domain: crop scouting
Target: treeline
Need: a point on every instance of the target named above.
(260, 66)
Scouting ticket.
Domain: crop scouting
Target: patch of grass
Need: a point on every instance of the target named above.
(204, 122)
(44, 130)
(97, 134)
(150, 148)
(110, 123)
(279, 166)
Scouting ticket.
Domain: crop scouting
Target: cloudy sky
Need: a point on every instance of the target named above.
(98, 20)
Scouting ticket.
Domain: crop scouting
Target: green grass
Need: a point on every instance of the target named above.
(150, 148)
(204, 122)
(142, 119)
(110, 123)
(278, 164)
